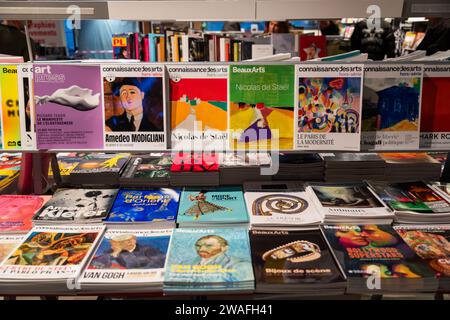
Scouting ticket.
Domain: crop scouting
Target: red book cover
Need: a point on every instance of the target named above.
(435, 110)
(195, 162)
(16, 212)
(312, 47)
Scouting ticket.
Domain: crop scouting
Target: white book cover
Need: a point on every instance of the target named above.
(347, 201)
(391, 106)
(281, 208)
(26, 106)
(134, 106)
(129, 256)
(328, 106)
(199, 106)
(51, 253)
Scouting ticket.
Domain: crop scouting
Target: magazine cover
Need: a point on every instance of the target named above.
(212, 205)
(101, 164)
(431, 243)
(128, 256)
(292, 257)
(68, 106)
(434, 124)
(411, 196)
(312, 47)
(362, 250)
(9, 95)
(8, 243)
(262, 107)
(281, 208)
(135, 117)
(77, 205)
(16, 212)
(51, 252)
(199, 107)
(10, 164)
(209, 256)
(347, 199)
(328, 104)
(26, 109)
(391, 106)
(145, 205)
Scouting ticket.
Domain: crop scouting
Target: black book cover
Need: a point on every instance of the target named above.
(101, 164)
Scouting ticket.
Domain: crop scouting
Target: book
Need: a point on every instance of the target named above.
(8, 243)
(121, 46)
(262, 107)
(294, 262)
(10, 165)
(49, 259)
(391, 106)
(211, 260)
(26, 109)
(194, 169)
(349, 203)
(312, 47)
(443, 188)
(68, 106)
(76, 206)
(213, 206)
(199, 107)
(283, 43)
(434, 130)
(155, 208)
(329, 101)
(128, 261)
(375, 259)
(135, 116)
(144, 171)
(16, 212)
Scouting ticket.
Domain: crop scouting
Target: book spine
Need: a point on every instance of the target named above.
(152, 47)
(162, 49)
(145, 49)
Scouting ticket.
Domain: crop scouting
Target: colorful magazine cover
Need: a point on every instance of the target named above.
(145, 205)
(8, 243)
(209, 256)
(68, 106)
(135, 117)
(431, 243)
(262, 107)
(129, 256)
(101, 164)
(434, 124)
(329, 103)
(16, 212)
(9, 93)
(152, 168)
(362, 250)
(10, 164)
(391, 107)
(312, 47)
(212, 206)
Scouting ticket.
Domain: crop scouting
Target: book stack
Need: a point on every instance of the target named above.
(399, 167)
(304, 167)
(375, 260)
(194, 169)
(66, 163)
(128, 261)
(413, 202)
(213, 206)
(76, 206)
(209, 261)
(155, 208)
(281, 205)
(49, 259)
(236, 168)
(146, 171)
(431, 243)
(349, 167)
(349, 203)
(99, 170)
(294, 262)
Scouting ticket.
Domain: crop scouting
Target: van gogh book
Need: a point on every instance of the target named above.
(349, 203)
(76, 206)
(155, 208)
(391, 106)
(294, 261)
(375, 260)
(135, 116)
(328, 104)
(26, 106)
(210, 260)
(68, 106)
(49, 259)
(262, 107)
(434, 124)
(9, 97)
(199, 106)
(212, 206)
(128, 261)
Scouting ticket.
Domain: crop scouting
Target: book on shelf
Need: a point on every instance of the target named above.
(145, 171)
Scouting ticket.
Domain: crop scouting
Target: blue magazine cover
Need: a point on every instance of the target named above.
(145, 205)
(212, 205)
(209, 256)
